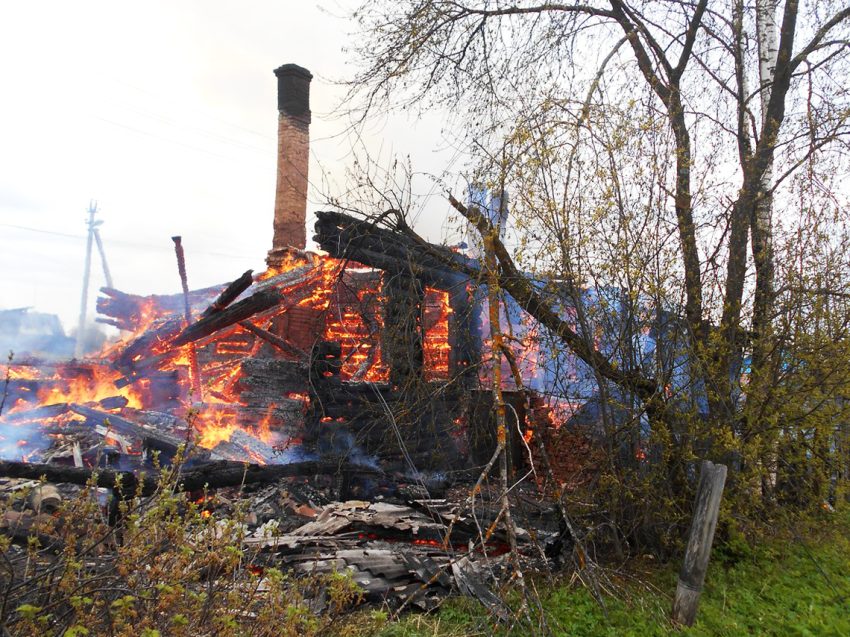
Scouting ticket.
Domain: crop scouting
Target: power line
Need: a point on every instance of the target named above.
(59, 234)
(189, 108)
(147, 246)
(187, 127)
(171, 141)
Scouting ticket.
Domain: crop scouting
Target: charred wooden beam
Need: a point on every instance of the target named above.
(231, 293)
(37, 414)
(346, 237)
(129, 310)
(213, 475)
(403, 335)
(324, 362)
(297, 276)
(123, 426)
(244, 309)
(152, 338)
(273, 375)
(352, 239)
(281, 343)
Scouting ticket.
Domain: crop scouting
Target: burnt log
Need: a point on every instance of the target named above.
(164, 332)
(244, 309)
(143, 367)
(243, 445)
(280, 343)
(297, 276)
(127, 311)
(38, 414)
(113, 402)
(124, 427)
(346, 237)
(324, 362)
(273, 376)
(231, 293)
(403, 335)
(213, 475)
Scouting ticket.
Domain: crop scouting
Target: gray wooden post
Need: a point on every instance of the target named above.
(712, 478)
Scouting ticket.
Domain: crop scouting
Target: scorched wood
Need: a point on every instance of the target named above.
(281, 343)
(149, 341)
(124, 427)
(241, 445)
(346, 237)
(244, 309)
(213, 475)
(231, 293)
(129, 310)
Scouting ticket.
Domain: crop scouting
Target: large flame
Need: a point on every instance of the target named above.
(436, 345)
(70, 384)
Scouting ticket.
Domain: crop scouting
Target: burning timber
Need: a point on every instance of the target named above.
(280, 357)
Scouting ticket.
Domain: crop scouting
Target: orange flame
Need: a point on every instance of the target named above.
(214, 427)
(437, 347)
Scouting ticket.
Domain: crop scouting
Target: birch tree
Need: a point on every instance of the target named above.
(677, 151)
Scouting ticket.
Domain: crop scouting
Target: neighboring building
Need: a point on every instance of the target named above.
(33, 334)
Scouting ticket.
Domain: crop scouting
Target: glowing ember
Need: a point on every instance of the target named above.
(356, 323)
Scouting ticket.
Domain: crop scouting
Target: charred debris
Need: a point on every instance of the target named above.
(339, 393)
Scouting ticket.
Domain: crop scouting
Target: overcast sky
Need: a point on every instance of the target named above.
(165, 114)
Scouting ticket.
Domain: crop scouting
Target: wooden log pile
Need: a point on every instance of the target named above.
(346, 237)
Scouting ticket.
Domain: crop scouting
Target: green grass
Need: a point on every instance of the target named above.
(773, 589)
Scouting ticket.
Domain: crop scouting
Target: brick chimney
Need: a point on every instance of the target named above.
(293, 157)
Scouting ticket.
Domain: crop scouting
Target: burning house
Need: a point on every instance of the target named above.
(366, 354)
(367, 364)
(372, 353)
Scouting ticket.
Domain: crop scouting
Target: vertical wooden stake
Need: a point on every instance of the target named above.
(194, 369)
(712, 478)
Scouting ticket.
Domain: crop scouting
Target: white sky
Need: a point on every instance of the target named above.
(165, 113)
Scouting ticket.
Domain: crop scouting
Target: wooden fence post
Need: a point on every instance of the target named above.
(712, 478)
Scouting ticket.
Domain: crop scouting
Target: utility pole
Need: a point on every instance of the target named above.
(99, 243)
(81, 327)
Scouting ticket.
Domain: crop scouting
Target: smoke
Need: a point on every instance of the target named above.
(430, 479)
(341, 444)
(295, 454)
(20, 441)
